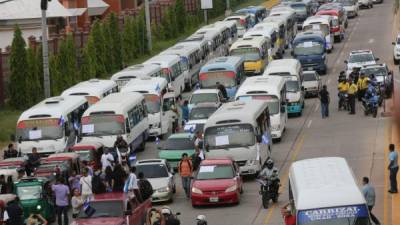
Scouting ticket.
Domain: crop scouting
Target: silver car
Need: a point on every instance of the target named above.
(160, 175)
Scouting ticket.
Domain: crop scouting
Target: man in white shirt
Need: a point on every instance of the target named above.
(86, 185)
(131, 185)
(107, 159)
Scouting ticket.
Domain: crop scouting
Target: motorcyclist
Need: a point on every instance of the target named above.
(201, 220)
(120, 143)
(270, 172)
(121, 149)
(170, 219)
(342, 76)
(354, 75)
(343, 87)
(362, 85)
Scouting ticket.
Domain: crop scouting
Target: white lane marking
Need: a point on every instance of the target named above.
(316, 108)
(370, 41)
(328, 81)
(309, 124)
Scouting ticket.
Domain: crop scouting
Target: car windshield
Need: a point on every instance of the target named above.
(208, 172)
(85, 155)
(210, 79)
(179, 144)
(249, 54)
(102, 209)
(41, 129)
(292, 86)
(153, 103)
(324, 28)
(29, 192)
(359, 58)
(152, 170)
(299, 8)
(377, 71)
(346, 2)
(203, 97)
(309, 77)
(201, 113)
(240, 135)
(309, 48)
(353, 215)
(102, 125)
(273, 101)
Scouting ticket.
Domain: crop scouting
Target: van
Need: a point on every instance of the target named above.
(118, 114)
(254, 50)
(279, 23)
(324, 191)
(240, 130)
(271, 89)
(257, 13)
(136, 71)
(270, 33)
(93, 89)
(289, 16)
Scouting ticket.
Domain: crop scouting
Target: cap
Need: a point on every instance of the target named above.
(201, 217)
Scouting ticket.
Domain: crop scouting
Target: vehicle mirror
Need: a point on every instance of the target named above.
(20, 139)
(345, 61)
(172, 78)
(283, 109)
(302, 88)
(12, 137)
(390, 72)
(393, 43)
(128, 213)
(376, 59)
(128, 129)
(178, 213)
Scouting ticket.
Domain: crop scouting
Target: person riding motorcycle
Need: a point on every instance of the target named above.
(170, 219)
(270, 172)
(201, 220)
(120, 142)
(362, 85)
(354, 74)
(342, 76)
(343, 87)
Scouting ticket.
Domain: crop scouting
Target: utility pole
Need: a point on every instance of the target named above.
(45, 50)
(228, 10)
(205, 16)
(148, 24)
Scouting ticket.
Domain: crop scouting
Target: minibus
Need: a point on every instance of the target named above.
(136, 71)
(223, 29)
(254, 50)
(243, 22)
(51, 125)
(322, 23)
(279, 23)
(309, 49)
(270, 33)
(325, 191)
(200, 42)
(257, 13)
(271, 89)
(190, 62)
(153, 90)
(303, 10)
(289, 17)
(229, 71)
(240, 130)
(171, 70)
(231, 25)
(337, 27)
(214, 38)
(93, 89)
(118, 114)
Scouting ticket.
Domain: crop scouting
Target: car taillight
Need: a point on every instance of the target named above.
(242, 21)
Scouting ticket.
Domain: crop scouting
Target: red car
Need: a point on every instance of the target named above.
(216, 182)
(115, 208)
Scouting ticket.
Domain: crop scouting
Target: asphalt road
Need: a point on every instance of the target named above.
(361, 140)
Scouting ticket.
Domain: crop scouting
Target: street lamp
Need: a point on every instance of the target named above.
(45, 50)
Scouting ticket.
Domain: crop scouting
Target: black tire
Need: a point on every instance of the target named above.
(265, 200)
(275, 199)
(174, 189)
(395, 61)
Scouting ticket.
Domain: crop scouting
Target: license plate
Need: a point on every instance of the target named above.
(309, 68)
(213, 199)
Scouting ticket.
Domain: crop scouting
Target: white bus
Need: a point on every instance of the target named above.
(232, 27)
(190, 61)
(136, 71)
(214, 36)
(271, 89)
(201, 42)
(325, 192)
(240, 130)
(51, 126)
(93, 89)
(122, 114)
(154, 90)
(172, 70)
(270, 33)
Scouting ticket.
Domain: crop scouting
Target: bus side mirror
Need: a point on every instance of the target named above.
(302, 88)
(393, 43)
(128, 129)
(376, 59)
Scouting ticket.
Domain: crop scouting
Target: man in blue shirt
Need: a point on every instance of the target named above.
(369, 195)
(393, 168)
(185, 112)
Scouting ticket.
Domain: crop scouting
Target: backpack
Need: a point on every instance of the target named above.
(145, 188)
(196, 160)
(98, 185)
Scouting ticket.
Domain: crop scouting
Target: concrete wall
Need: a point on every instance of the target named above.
(8, 34)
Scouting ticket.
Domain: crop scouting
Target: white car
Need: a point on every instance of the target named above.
(351, 7)
(396, 50)
(160, 175)
(311, 83)
(358, 59)
(206, 95)
(366, 3)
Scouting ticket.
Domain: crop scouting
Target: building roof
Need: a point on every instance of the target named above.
(96, 7)
(30, 9)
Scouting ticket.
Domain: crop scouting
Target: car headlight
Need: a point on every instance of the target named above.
(197, 191)
(231, 188)
(276, 127)
(38, 207)
(251, 162)
(163, 189)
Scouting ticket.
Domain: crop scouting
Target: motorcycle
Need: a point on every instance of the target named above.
(370, 105)
(269, 190)
(343, 101)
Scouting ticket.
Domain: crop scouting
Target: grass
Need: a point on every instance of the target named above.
(9, 117)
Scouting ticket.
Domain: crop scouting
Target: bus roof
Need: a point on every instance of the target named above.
(259, 85)
(228, 23)
(282, 65)
(246, 42)
(275, 19)
(136, 71)
(309, 36)
(268, 25)
(252, 9)
(116, 102)
(222, 63)
(324, 19)
(181, 50)
(165, 61)
(233, 113)
(209, 33)
(92, 87)
(150, 85)
(264, 31)
(323, 182)
(53, 107)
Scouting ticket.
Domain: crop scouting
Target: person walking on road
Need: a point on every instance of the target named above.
(131, 185)
(222, 88)
(185, 169)
(325, 100)
(352, 97)
(86, 185)
(61, 192)
(13, 215)
(393, 168)
(185, 112)
(76, 202)
(369, 195)
(107, 159)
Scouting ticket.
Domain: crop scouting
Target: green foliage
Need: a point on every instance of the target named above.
(66, 65)
(19, 77)
(181, 16)
(97, 34)
(141, 30)
(35, 90)
(127, 41)
(88, 60)
(55, 81)
(173, 29)
(115, 42)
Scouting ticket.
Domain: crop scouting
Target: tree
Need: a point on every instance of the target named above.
(165, 25)
(116, 49)
(144, 48)
(173, 29)
(181, 17)
(66, 60)
(88, 60)
(56, 77)
(19, 95)
(98, 36)
(35, 88)
(128, 46)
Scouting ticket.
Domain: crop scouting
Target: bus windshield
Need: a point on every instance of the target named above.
(354, 215)
(41, 129)
(100, 125)
(273, 101)
(309, 48)
(240, 135)
(292, 86)
(324, 28)
(249, 54)
(153, 103)
(209, 79)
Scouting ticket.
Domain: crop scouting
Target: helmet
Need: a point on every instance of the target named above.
(270, 164)
(201, 217)
(166, 210)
